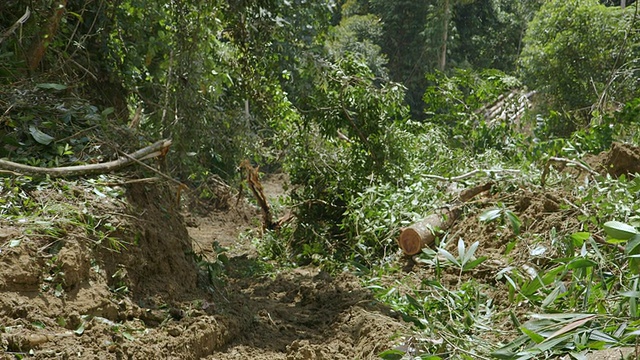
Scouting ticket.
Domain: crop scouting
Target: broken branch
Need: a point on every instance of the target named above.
(157, 148)
(470, 174)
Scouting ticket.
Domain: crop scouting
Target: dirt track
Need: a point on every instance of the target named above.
(67, 297)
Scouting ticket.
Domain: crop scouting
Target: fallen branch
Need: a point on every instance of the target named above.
(156, 149)
(423, 233)
(564, 162)
(470, 174)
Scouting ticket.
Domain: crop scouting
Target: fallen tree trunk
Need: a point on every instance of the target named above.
(424, 232)
(159, 148)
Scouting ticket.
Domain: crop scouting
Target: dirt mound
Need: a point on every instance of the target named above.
(620, 159)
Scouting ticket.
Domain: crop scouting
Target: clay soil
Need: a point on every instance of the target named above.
(133, 276)
(67, 292)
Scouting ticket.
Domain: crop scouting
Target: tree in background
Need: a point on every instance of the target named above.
(358, 34)
(581, 56)
(420, 38)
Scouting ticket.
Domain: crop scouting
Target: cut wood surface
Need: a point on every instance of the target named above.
(159, 148)
(424, 232)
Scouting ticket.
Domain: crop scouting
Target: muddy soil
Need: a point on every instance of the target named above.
(137, 283)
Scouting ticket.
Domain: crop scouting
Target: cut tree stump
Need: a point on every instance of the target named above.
(424, 232)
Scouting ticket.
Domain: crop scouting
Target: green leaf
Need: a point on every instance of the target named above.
(571, 326)
(580, 263)
(537, 338)
(461, 249)
(579, 238)
(618, 230)
(14, 242)
(514, 220)
(509, 351)
(472, 264)
(128, 336)
(39, 324)
(414, 302)
(633, 246)
(630, 294)
(39, 136)
(448, 256)
(52, 86)
(80, 329)
(490, 215)
(391, 354)
(107, 111)
(468, 255)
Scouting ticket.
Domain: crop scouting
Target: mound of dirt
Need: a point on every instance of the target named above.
(620, 159)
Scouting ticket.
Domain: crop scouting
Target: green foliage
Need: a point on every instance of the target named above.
(487, 34)
(349, 138)
(459, 102)
(456, 315)
(580, 54)
(502, 213)
(359, 35)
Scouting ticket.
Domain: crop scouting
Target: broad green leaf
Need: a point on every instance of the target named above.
(579, 238)
(107, 111)
(548, 345)
(630, 294)
(39, 136)
(618, 230)
(391, 354)
(14, 242)
(468, 255)
(570, 326)
(597, 335)
(128, 336)
(551, 297)
(633, 246)
(80, 329)
(509, 351)
(490, 215)
(414, 302)
(461, 249)
(580, 263)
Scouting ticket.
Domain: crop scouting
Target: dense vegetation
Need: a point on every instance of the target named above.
(359, 102)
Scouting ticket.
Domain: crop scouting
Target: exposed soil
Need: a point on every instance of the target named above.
(66, 297)
(67, 293)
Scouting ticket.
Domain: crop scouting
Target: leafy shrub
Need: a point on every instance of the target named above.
(348, 138)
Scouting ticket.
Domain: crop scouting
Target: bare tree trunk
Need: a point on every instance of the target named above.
(445, 34)
(38, 48)
(623, 3)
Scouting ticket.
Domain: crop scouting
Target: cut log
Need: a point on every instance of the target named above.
(424, 232)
